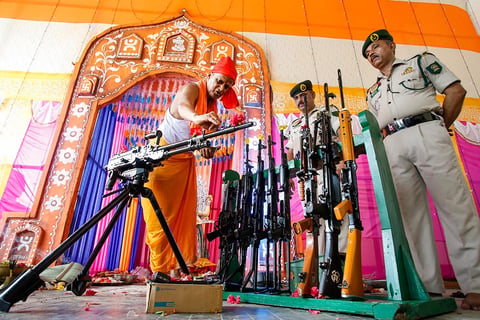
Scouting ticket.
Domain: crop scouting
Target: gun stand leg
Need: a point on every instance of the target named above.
(232, 271)
(147, 193)
(225, 262)
(283, 261)
(79, 284)
(278, 257)
(253, 271)
(29, 281)
(268, 278)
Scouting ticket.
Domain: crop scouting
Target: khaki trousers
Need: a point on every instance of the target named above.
(423, 157)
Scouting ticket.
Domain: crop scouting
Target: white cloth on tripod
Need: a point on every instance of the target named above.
(174, 130)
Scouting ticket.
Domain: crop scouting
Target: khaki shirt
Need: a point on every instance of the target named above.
(410, 90)
(294, 132)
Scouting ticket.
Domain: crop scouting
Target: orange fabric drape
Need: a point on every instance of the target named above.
(174, 186)
(128, 236)
(203, 105)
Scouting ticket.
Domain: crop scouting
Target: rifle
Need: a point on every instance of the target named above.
(225, 226)
(284, 196)
(274, 227)
(258, 214)
(332, 272)
(271, 223)
(284, 192)
(352, 284)
(245, 220)
(312, 208)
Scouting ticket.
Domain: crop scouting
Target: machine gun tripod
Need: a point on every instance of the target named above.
(132, 168)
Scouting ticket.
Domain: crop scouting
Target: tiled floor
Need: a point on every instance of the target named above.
(129, 301)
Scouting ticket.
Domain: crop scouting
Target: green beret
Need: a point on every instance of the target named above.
(301, 87)
(381, 34)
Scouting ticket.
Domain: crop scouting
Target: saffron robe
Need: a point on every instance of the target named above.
(175, 187)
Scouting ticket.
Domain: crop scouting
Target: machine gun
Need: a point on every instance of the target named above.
(352, 284)
(245, 230)
(312, 208)
(271, 223)
(284, 220)
(132, 168)
(272, 228)
(284, 193)
(246, 219)
(332, 272)
(235, 229)
(124, 166)
(229, 270)
(258, 214)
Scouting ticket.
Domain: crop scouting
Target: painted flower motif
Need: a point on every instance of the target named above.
(60, 178)
(53, 203)
(67, 155)
(73, 134)
(80, 109)
(253, 142)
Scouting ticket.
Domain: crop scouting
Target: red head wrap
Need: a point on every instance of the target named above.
(226, 66)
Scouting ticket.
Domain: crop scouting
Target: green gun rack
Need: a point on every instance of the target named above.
(407, 297)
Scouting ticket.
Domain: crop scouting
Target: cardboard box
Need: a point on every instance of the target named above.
(184, 298)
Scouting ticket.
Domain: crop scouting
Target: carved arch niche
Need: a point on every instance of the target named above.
(112, 63)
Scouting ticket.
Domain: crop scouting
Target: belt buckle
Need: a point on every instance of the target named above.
(399, 124)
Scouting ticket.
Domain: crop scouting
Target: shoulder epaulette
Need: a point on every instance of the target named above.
(372, 89)
(417, 56)
(296, 122)
(426, 81)
(426, 52)
(420, 55)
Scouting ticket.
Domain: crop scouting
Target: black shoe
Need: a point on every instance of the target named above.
(160, 277)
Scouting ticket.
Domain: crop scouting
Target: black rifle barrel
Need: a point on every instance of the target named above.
(340, 86)
(206, 136)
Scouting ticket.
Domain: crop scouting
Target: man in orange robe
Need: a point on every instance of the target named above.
(174, 184)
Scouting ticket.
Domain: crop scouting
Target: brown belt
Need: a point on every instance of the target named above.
(407, 122)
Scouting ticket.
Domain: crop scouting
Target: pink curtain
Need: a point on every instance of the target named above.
(470, 155)
(27, 168)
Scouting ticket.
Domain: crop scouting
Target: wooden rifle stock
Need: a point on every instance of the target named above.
(352, 284)
(308, 278)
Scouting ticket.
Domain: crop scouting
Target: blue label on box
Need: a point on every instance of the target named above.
(158, 304)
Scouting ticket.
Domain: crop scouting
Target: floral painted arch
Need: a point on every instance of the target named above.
(113, 62)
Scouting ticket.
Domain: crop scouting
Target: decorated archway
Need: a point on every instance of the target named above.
(113, 62)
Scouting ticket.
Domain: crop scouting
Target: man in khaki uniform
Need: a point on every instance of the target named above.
(298, 92)
(421, 155)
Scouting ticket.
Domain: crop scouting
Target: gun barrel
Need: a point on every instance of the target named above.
(206, 136)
